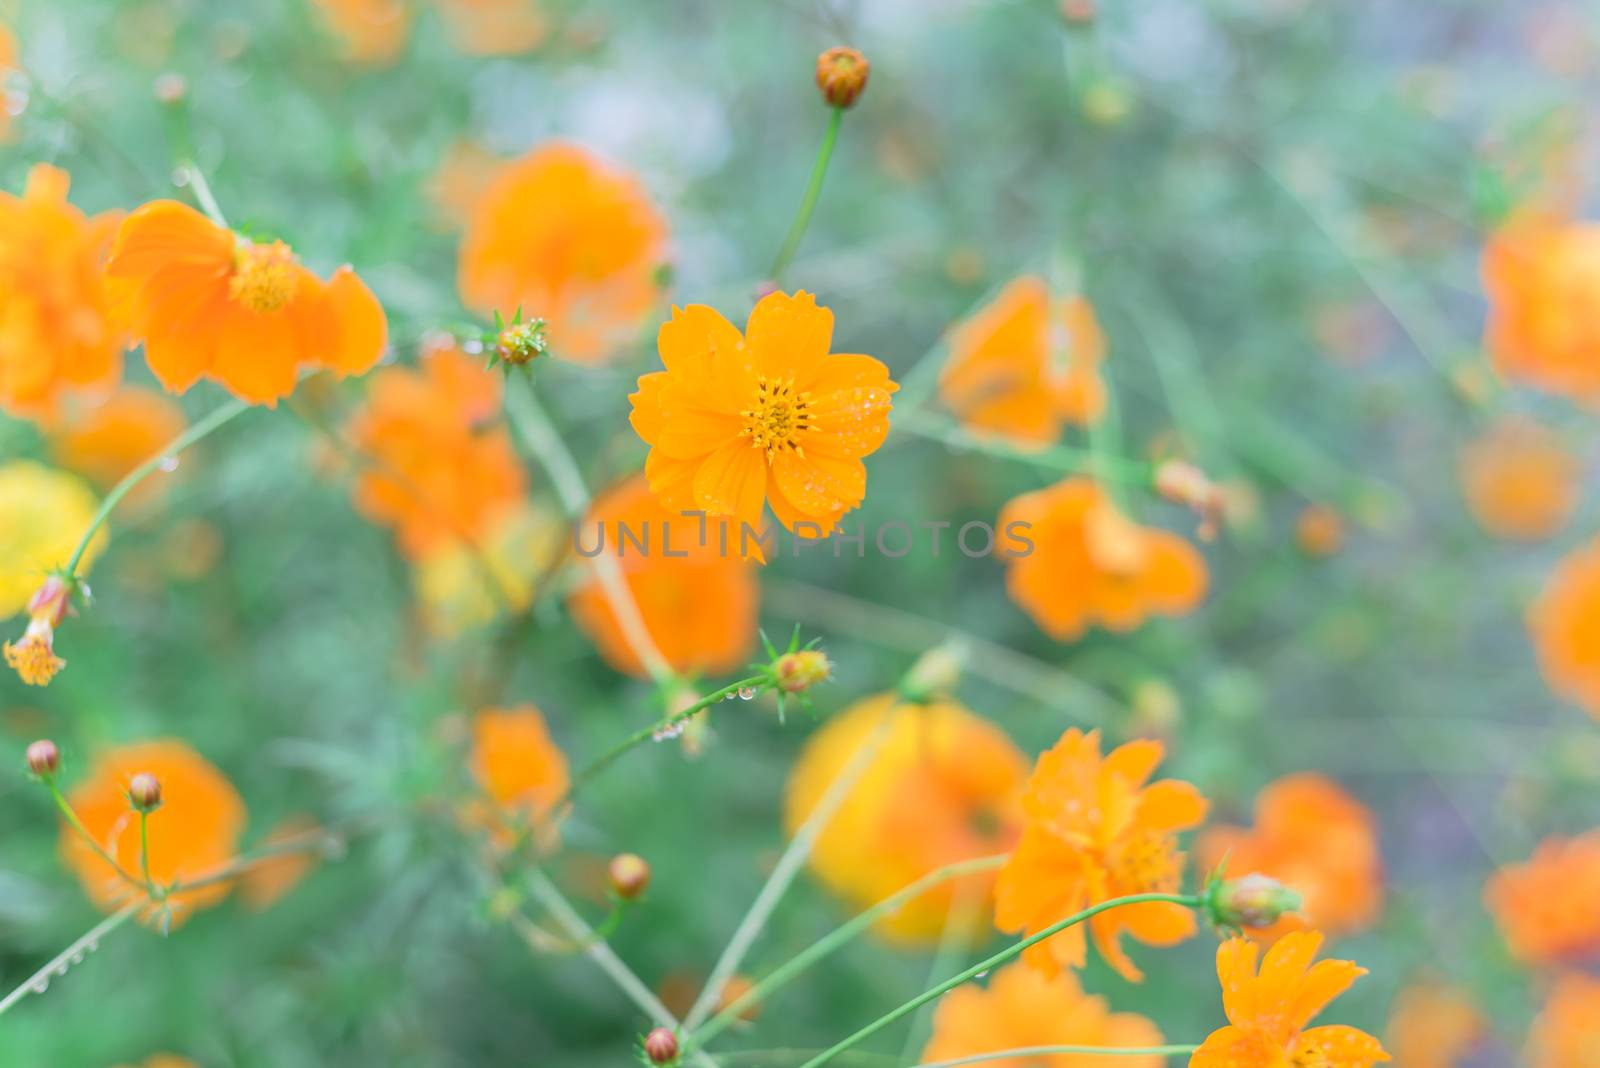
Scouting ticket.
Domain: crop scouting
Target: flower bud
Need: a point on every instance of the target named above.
(51, 601)
(799, 671)
(522, 343)
(144, 792)
(1079, 12)
(43, 758)
(171, 88)
(661, 1046)
(1253, 901)
(842, 76)
(628, 874)
(936, 674)
(1319, 531)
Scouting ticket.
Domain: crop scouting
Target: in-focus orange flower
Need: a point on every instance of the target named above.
(193, 834)
(1319, 530)
(521, 773)
(265, 882)
(208, 303)
(697, 601)
(563, 237)
(1519, 481)
(440, 471)
(1545, 906)
(1564, 624)
(943, 786)
(1023, 1007)
(1541, 275)
(1268, 1012)
(107, 440)
(1088, 563)
(494, 27)
(1098, 829)
(371, 32)
(767, 416)
(1433, 1026)
(1025, 364)
(56, 332)
(1314, 837)
(1567, 1032)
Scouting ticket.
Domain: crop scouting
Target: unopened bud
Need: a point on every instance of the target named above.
(522, 343)
(51, 601)
(171, 88)
(842, 76)
(628, 874)
(1319, 531)
(1253, 901)
(43, 758)
(1079, 12)
(936, 674)
(799, 671)
(661, 1046)
(144, 792)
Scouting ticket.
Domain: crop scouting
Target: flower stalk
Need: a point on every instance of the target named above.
(808, 200)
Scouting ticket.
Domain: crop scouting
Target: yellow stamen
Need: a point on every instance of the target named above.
(1146, 862)
(778, 417)
(34, 658)
(263, 276)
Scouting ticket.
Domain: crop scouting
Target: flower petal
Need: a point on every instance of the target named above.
(789, 336)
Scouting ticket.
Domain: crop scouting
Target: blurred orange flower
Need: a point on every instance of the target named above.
(1022, 1007)
(521, 773)
(697, 602)
(564, 238)
(265, 882)
(1564, 623)
(1089, 563)
(1545, 906)
(1268, 1012)
(208, 303)
(1314, 837)
(1541, 275)
(767, 416)
(494, 27)
(8, 63)
(56, 332)
(371, 32)
(1026, 363)
(1567, 1033)
(942, 787)
(105, 441)
(440, 474)
(1519, 481)
(193, 834)
(1319, 530)
(460, 181)
(1433, 1026)
(1098, 829)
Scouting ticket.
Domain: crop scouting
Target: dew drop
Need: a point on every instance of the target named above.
(746, 692)
(169, 464)
(91, 945)
(77, 958)
(40, 986)
(61, 969)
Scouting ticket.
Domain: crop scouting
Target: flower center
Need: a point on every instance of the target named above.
(1146, 862)
(778, 417)
(263, 276)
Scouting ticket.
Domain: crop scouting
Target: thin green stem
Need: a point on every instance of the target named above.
(990, 963)
(76, 824)
(195, 180)
(139, 474)
(1057, 457)
(144, 848)
(808, 200)
(837, 938)
(1025, 1052)
(36, 983)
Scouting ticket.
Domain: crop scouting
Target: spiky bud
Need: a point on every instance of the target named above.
(798, 671)
(842, 76)
(43, 758)
(144, 792)
(628, 875)
(522, 342)
(661, 1046)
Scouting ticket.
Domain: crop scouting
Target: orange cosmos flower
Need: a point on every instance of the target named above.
(1519, 481)
(460, 181)
(521, 773)
(564, 238)
(942, 787)
(1022, 1007)
(265, 882)
(1541, 275)
(494, 27)
(372, 32)
(1088, 563)
(56, 333)
(1545, 906)
(1025, 364)
(440, 473)
(1314, 837)
(698, 601)
(1319, 530)
(193, 833)
(1268, 1012)
(1567, 1033)
(1565, 626)
(767, 416)
(1098, 829)
(208, 303)
(1433, 1027)
(106, 441)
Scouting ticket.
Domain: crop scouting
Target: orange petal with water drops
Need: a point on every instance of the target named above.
(1325, 981)
(789, 336)
(819, 485)
(1236, 1047)
(645, 416)
(672, 481)
(733, 481)
(1344, 1047)
(1236, 971)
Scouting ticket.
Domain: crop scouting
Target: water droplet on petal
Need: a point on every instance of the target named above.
(169, 464)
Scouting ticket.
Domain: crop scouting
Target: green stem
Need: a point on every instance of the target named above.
(990, 963)
(83, 832)
(644, 734)
(139, 474)
(808, 201)
(195, 180)
(35, 983)
(846, 932)
(144, 848)
(1047, 1051)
